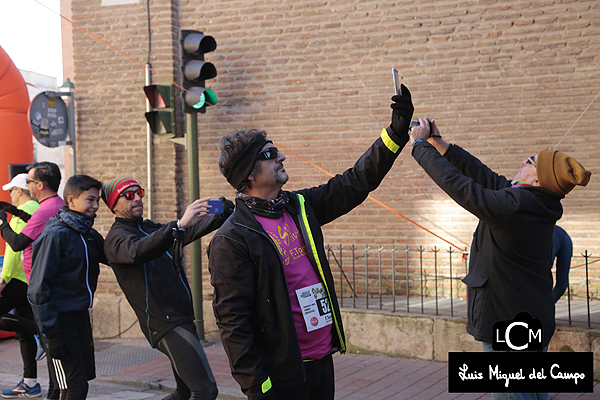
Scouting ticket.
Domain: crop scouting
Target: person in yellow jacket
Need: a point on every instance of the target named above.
(13, 290)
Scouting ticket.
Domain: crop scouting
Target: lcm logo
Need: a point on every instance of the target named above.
(522, 333)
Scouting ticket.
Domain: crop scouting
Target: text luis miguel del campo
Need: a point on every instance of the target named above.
(520, 366)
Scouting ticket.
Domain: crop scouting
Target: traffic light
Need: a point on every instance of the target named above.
(194, 45)
(162, 117)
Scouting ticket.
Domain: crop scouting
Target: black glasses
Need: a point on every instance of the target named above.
(131, 194)
(531, 161)
(270, 153)
(28, 181)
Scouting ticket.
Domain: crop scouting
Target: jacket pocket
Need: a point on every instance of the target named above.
(476, 298)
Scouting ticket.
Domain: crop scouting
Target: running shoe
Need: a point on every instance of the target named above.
(22, 391)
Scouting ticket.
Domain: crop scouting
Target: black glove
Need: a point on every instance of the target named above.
(9, 208)
(55, 347)
(228, 206)
(270, 395)
(402, 113)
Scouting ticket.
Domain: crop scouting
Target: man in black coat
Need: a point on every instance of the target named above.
(145, 257)
(509, 266)
(274, 298)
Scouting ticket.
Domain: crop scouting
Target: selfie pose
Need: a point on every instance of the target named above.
(146, 258)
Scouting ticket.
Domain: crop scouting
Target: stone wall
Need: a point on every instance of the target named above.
(393, 334)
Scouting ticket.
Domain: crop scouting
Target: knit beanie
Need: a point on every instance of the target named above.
(112, 189)
(559, 172)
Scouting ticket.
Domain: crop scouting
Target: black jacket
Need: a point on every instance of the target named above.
(65, 268)
(251, 299)
(141, 256)
(510, 261)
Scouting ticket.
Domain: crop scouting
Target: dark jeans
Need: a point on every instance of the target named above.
(319, 385)
(14, 296)
(487, 348)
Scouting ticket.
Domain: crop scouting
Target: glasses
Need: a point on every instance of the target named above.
(531, 161)
(131, 194)
(28, 181)
(270, 153)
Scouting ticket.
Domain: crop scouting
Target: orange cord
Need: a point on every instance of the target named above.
(240, 122)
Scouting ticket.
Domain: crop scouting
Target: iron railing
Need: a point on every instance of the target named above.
(429, 281)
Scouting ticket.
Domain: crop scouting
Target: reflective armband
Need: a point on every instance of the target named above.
(266, 386)
(389, 143)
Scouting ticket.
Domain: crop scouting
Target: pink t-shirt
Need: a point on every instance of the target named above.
(36, 224)
(299, 274)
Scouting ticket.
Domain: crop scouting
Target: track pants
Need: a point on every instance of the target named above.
(193, 375)
(76, 367)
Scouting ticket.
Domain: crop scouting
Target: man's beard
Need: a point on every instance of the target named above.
(282, 178)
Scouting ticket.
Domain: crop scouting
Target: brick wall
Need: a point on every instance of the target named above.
(504, 79)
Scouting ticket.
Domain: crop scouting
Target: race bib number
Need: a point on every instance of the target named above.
(315, 306)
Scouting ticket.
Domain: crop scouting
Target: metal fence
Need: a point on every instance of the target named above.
(429, 281)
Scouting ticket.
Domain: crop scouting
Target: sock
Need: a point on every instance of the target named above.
(30, 381)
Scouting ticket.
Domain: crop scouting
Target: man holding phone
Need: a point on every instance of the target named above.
(274, 299)
(146, 258)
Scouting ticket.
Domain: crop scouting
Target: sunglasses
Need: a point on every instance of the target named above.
(270, 153)
(531, 161)
(28, 181)
(131, 194)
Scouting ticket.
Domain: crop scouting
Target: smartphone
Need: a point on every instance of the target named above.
(396, 80)
(216, 207)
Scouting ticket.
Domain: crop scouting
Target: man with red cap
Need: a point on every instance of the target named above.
(509, 266)
(146, 259)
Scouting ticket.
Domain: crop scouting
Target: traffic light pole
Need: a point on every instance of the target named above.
(149, 152)
(191, 136)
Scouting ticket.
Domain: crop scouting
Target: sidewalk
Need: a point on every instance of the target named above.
(133, 363)
(358, 377)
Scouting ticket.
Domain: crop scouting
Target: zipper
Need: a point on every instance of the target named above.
(171, 257)
(87, 270)
(309, 241)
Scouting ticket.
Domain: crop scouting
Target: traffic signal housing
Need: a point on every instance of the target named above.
(162, 117)
(194, 45)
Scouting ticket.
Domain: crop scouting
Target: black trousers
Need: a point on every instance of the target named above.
(77, 366)
(193, 375)
(14, 297)
(319, 385)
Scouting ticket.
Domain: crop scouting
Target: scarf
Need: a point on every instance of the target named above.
(75, 220)
(266, 208)
(519, 184)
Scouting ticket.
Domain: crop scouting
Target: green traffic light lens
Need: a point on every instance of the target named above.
(200, 103)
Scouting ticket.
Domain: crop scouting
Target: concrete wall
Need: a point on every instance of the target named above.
(393, 334)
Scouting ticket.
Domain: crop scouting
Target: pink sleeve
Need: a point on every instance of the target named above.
(35, 225)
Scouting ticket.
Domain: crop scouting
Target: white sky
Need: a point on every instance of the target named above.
(30, 34)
